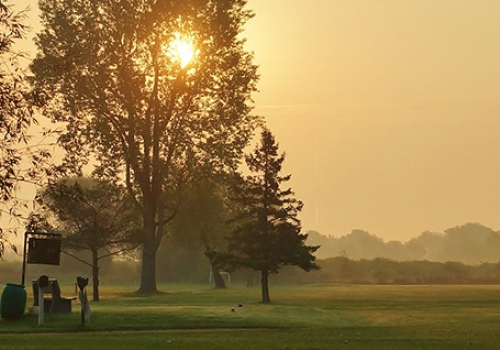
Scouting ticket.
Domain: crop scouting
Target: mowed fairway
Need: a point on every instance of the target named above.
(300, 317)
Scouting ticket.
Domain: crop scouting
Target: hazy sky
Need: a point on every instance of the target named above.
(388, 110)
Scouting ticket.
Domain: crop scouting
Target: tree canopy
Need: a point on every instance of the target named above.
(16, 117)
(204, 219)
(153, 89)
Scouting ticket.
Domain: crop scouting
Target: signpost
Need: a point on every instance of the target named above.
(43, 248)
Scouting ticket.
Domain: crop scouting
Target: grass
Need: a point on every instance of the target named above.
(300, 317)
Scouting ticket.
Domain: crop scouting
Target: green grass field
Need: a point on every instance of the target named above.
(300, 317)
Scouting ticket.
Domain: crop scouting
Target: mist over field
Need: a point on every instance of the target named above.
(464, 254)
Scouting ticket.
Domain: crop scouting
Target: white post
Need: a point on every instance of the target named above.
(41, 306)
(85, 307)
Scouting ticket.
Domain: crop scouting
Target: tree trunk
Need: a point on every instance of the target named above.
(219, 281)
(95, 276)
(149, 248)
(148, 275)
(265, 286)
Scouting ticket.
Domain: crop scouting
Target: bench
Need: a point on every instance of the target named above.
(55, 303)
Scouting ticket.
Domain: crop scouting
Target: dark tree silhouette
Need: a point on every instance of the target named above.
(269, 235)
(113, 72)
(16, 117)
(93, 215)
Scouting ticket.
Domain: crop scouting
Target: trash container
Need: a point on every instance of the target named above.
(13, 301)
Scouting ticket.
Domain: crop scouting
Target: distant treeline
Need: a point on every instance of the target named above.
(461, 255)
(471, 243)
(191, 269)
(385, 271)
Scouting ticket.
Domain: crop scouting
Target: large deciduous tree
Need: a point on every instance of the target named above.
(16, 117)
(154, 89)
(204, 220)
(93, 215)
(269, 235)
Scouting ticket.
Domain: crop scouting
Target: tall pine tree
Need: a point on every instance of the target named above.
(269, 234)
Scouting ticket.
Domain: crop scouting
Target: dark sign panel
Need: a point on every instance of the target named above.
(44, 251)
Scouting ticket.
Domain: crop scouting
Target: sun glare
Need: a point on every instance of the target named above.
(182, 50)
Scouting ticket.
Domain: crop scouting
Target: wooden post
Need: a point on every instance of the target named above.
(24, 258)
(41, 306)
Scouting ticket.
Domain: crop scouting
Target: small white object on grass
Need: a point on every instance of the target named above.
(233, 309)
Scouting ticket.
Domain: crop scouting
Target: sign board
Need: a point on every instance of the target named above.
(44, 251)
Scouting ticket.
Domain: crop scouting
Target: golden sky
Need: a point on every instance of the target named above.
(388, 110)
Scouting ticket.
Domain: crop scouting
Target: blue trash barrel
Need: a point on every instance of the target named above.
(13, 301)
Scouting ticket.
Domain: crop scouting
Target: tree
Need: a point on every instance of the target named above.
(154, 89)
(16, 117)
(269, 235)
(93, 215)
(204, 220)
(471, 243)
(361, 244)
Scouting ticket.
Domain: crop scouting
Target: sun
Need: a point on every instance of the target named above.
(182, 50)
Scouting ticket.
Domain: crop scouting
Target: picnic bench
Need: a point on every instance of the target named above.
(55, 302)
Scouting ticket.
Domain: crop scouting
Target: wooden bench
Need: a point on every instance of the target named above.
(55, 303)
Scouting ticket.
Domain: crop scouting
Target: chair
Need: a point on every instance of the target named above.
(56, 303)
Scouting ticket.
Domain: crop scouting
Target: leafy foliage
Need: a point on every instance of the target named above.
(19, 161)
(204, 219)
(92, 214)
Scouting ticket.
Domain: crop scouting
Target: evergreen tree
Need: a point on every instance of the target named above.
(269, 235)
